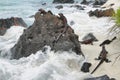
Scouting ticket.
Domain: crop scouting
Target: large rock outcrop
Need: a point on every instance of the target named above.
(102, 13)
(44, 31)
(63, 1)
(7, 23)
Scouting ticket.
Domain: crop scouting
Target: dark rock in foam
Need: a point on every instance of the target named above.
(7, 23)
(59, 7)
(45, 29)
(63, 1)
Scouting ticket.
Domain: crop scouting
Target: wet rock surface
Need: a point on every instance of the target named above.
(44, 31)
(7, 23)
(63, 1)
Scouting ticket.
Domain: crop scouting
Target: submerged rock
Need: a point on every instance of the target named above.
(102, 13)
(44, 31)
(78, 7)
(63, 1)
(59, 7)
(7, 23)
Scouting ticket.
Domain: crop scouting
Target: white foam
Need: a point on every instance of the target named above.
(9, 39)
(50, 66)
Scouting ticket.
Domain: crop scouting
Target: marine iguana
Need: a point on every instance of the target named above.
(42, 11)
(106, 42)
(102, 57)
(89, 41)
(66, 26)
(63, 18)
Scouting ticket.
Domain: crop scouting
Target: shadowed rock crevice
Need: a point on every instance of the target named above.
(45, 29)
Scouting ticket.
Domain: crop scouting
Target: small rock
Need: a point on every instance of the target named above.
(89, 36)
(86, 66)
(72, 23)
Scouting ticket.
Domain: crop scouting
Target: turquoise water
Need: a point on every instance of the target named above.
(24, 8)
(21, 8)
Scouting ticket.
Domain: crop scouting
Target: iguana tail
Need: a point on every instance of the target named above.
(97, 66)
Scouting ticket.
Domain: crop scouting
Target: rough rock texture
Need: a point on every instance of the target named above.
(102, 13)
(44, 31)
(7, 23)
(63, 1)
(104, 77)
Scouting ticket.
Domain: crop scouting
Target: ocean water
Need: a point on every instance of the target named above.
(50, 66)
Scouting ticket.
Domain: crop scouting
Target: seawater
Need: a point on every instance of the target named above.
(49, 66)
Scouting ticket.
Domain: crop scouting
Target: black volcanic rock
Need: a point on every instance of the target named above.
(7, 23)
(63, 1)
(45, 29)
